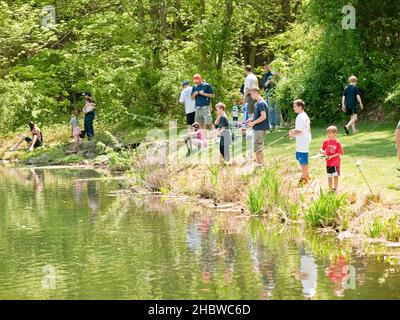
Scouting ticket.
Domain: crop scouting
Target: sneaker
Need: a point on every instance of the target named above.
(302, 182)
(346, 130)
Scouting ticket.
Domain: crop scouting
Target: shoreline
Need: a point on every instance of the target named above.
(214, 186)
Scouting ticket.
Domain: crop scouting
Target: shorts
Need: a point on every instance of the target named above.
(259, 140)
(203, 115)
(190, 118)
(333, 171)
(38, 143)
(350, 111)
(302, 157)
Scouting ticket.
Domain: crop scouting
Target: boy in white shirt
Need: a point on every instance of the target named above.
(302, 134)
(186, 100)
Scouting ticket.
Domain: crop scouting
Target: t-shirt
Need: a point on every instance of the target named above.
(235, 111)
(250, 82)
(265, 78)
(260, 106)
(303, 140)
(89, 106)
(186, 100)
(74, 122)
(201, 101)
(225, 135)
(332, 147)
(350, 93)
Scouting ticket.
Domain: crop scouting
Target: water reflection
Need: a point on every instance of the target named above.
(308, 274)
(107, 246)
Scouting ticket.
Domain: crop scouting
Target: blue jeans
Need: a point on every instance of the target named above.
(88, 123)
(274, 112)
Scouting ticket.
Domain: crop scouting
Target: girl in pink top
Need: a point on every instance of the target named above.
(195, 139)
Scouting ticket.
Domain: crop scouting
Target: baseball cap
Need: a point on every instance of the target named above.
(87, 93)
(185, 82)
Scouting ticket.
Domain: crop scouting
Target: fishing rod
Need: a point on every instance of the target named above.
(280, 138)
(358, 165)
(384, 119)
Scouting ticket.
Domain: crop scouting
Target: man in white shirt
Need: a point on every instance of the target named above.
(186, 100)
(302, 134)
(251, 81)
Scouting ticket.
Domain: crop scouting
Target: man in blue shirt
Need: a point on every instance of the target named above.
(259, 123)
(267, 74)
(202, 94)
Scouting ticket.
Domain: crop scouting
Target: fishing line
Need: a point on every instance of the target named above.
(358, 165)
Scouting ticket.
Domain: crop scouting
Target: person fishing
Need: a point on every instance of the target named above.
(35, 141)
(90, 114)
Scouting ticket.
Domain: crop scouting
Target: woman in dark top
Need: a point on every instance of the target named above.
(35, 141)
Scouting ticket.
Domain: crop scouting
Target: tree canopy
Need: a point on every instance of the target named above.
(133, 54)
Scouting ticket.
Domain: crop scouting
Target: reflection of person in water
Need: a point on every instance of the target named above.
(37, 178)
(308, 274)
(93, 197)
(338, 273)
(78, 190)
(202, 242)
(360, 264)
(263, 265)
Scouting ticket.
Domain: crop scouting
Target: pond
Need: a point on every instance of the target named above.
(70, 234)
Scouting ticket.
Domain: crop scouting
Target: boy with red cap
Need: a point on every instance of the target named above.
(202, 93)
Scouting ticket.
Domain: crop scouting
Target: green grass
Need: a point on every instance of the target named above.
(375, 149)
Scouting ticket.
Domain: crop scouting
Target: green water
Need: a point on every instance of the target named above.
(65, 234)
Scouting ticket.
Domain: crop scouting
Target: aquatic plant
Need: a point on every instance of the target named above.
(269, 197)
(327, 210)
(256, 200)
(389, 228)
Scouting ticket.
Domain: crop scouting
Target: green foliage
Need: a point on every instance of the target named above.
(268, 196)
(256, 200)
(328, 210)
(133, 55)
(389, 228)
(317, 56)
(375, 229)
(119, 161)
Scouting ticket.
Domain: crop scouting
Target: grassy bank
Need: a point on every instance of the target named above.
(109, 150)
(272, 192)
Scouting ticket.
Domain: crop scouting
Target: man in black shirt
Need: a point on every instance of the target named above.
(351, 95)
